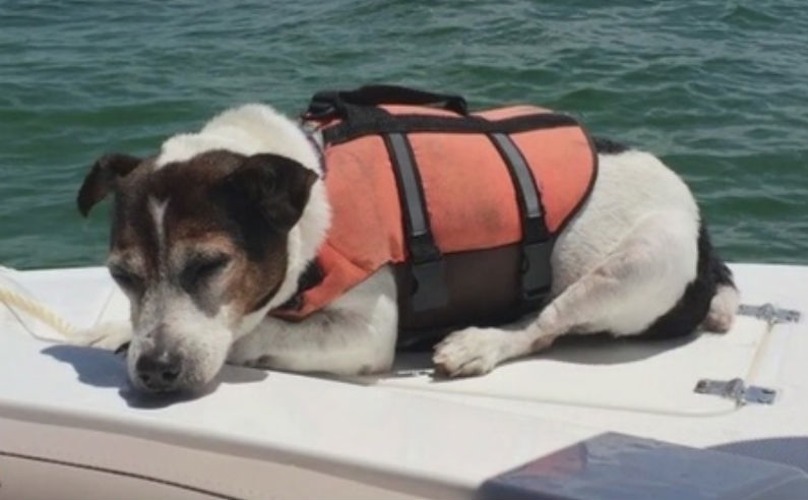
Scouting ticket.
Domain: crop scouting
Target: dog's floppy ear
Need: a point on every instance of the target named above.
(102, 176)
(276, 186)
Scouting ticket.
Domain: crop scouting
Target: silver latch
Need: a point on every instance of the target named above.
(770, 313)
(736, 390)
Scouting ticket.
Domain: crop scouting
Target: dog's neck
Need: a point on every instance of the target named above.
(315, 138)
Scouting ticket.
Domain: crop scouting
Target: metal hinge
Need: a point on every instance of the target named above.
(736, 390)
(770, 313)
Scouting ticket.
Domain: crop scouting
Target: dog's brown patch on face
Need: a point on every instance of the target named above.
(224, 222)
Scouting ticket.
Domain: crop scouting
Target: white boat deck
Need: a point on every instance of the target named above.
(68, 419)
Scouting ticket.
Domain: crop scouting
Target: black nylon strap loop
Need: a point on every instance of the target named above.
(375, 95)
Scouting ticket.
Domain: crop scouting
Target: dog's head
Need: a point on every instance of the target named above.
(202, 249)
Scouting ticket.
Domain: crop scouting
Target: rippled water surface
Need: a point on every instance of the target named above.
(719, 89)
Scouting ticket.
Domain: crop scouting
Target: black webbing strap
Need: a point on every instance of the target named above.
(537, 242)
(426, 261)
(336, 102)
(368, 121)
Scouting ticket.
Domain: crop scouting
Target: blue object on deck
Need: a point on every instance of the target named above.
(621, 467)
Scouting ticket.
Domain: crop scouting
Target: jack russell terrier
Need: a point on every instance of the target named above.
(217, 232)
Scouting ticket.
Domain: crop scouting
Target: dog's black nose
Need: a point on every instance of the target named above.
(158, 371)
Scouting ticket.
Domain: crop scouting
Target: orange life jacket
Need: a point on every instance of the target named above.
(412, 184)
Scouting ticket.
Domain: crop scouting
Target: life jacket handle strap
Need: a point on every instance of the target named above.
(336, 103)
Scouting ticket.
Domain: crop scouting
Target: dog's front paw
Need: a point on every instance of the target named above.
(107, 336)
(473, 351)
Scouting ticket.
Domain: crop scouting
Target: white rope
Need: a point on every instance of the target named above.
(20, 302)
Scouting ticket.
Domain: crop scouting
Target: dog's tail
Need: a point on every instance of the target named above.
(724, 303)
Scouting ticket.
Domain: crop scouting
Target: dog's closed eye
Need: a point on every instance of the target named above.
(126, 279)
(203, 267)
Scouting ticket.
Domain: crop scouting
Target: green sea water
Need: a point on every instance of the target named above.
(718, 89)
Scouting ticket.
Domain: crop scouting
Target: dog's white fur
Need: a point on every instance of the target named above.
(622, 262)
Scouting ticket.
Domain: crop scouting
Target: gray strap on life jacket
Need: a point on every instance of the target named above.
(425, 258)
(537, 242)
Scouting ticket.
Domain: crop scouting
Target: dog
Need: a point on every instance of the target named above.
(215, 231)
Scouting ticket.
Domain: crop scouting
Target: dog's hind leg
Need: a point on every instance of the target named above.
(724, 304)
(640, 280)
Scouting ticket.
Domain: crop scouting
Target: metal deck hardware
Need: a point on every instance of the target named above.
(737, 390)
(770, 313)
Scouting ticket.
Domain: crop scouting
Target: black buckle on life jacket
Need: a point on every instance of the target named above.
(537, 274)
(319, 111)
(323, 105)
(429, 289)
(429, 285)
